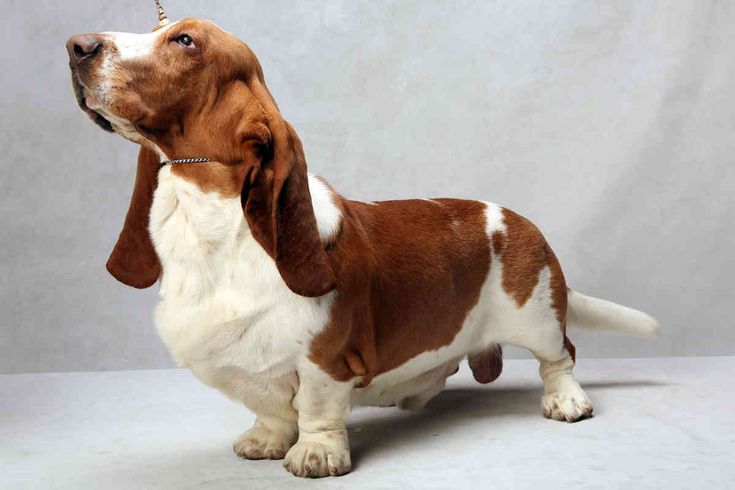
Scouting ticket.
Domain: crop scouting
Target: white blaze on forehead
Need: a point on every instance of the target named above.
(130, 45)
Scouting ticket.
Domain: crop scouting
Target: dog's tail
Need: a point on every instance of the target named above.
(588, 313)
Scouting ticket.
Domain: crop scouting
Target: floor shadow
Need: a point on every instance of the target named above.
(455, 408)
(607, 385)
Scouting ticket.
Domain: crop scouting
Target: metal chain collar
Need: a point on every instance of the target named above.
(185, 160)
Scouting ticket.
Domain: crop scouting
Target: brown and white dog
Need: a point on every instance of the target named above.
(290, 298)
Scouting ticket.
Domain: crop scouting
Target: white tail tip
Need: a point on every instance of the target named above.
(588, 313)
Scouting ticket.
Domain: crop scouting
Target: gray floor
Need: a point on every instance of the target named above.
(660, 423)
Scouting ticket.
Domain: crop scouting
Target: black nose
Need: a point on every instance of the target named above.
(81, 47)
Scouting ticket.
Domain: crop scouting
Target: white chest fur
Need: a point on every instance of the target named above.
(224, 306)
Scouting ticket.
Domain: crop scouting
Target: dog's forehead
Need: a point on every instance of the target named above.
(132, 45)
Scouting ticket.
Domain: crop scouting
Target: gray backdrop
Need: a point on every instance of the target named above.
(609, 124)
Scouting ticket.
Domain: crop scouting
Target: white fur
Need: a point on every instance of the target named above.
(599, 314)
(131, 46)
(223, 302)
(323, 405)
(563, 398)
(328, 215)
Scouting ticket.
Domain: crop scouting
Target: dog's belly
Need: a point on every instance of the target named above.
(424, 375)
(400, 389)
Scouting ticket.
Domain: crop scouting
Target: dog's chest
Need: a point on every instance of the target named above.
(223, 303)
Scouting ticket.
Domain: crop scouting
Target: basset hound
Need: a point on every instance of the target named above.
(285, 295)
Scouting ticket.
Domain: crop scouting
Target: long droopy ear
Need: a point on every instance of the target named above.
(278, 209)
(133, 261)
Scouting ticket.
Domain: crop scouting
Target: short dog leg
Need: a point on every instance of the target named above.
(563, 398)
(275, 429)
(323, 406)
(268, 438)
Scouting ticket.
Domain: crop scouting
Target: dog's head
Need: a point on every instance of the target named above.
(190, 89)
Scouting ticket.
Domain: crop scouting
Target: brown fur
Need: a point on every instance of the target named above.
(523, 253)
(279, 212)
(133, 261)
(408, 272)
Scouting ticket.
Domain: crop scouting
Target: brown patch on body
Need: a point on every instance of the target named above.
(524, 252)
(408, 272)
(487, 365)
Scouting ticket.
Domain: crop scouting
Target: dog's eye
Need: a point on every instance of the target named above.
(185, 40)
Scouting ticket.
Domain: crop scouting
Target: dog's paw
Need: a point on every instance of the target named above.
(569, 406)
(263, 443)
(317, 459)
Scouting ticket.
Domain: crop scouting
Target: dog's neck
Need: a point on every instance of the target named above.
(211, 176)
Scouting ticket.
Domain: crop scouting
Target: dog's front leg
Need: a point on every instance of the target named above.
(323, 405)
(274, 431)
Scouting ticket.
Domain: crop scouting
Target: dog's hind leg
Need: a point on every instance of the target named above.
(529, 309)
(564, 398)
(544, 335)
